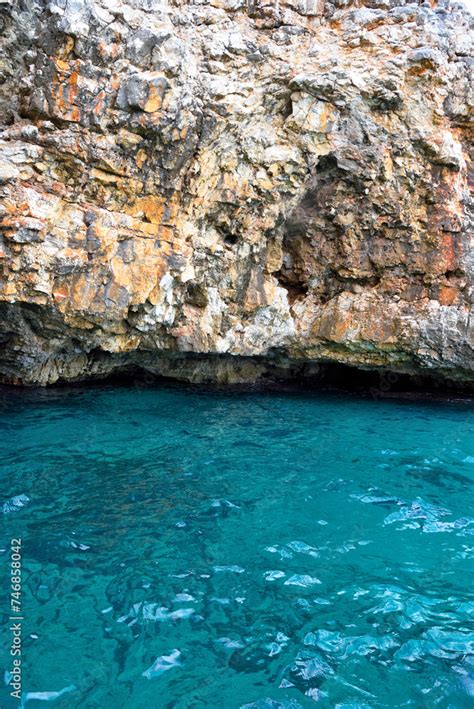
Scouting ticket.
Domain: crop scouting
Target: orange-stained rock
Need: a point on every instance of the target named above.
(448, 295)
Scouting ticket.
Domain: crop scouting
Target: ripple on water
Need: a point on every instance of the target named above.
(195, 549)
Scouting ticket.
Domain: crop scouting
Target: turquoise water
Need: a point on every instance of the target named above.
(187, 549)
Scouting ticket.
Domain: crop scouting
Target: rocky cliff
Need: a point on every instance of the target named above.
(221, 189)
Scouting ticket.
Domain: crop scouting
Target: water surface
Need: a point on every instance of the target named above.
(189, 549)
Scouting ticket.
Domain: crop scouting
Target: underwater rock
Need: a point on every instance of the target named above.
(14, 503)
(163, 664)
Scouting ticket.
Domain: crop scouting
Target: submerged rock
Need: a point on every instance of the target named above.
(163, 664)
(219, 189)
(15, 503)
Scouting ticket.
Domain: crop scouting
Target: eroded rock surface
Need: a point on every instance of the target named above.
(211, 189)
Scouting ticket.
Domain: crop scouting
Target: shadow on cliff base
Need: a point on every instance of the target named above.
(330, 377)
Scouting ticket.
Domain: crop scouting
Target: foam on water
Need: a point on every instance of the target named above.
(188, 549)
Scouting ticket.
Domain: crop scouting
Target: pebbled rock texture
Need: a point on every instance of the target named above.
(222, 189)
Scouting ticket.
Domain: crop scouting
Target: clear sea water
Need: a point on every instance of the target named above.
(187, 549)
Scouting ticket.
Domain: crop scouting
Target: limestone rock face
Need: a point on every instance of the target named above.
(213, 188)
